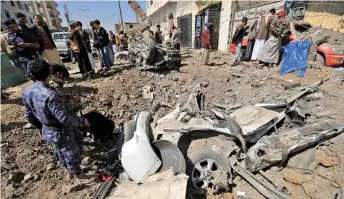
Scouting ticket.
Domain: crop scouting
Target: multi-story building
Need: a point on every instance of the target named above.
(48, 11)
(9, 9)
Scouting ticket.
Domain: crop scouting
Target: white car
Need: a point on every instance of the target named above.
(61, 41)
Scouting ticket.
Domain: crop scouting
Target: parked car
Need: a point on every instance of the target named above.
(327, 54)
(62, 44)
(330, 55)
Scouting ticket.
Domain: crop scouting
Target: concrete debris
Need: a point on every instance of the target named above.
(205, 84)
(28, 177)
(314, 96)
(123, 101)
(50, 166)
(28, 126)
(170, 187)
(147, 93)
(328, 161)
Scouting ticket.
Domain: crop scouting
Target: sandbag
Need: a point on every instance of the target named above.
(295, 57)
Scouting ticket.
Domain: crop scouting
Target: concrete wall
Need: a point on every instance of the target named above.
(225, 19)
(160, 17)
(155, 5)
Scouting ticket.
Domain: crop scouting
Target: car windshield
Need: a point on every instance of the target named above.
(61, 36)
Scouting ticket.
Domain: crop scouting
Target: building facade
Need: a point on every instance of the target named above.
(9, 9)
(118, 27)
(192, 16)
(48, 11)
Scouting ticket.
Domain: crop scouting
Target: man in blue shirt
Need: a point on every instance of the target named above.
(23, 43)
(45, 110)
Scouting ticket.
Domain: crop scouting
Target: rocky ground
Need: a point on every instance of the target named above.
(29, 169)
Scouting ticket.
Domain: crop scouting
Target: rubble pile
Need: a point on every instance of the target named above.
(29, 169)
(319, 36)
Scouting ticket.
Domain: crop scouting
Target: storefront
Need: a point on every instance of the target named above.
(208, 13)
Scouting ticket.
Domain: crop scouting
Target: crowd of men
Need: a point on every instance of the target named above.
(44, 101)
(264, 39)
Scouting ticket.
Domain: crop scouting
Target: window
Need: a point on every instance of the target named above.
(20, 6)
(7, 14)
(12, 3)
(62, 36)
(26, 7)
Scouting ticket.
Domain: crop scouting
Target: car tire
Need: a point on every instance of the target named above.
(210, 161)
(202, 150)
(148, 51)
(320, 58)
(171, 43)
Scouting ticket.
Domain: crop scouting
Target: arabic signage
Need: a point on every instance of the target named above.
(137, 9)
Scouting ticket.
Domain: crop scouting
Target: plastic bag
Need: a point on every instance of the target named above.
(295, 57)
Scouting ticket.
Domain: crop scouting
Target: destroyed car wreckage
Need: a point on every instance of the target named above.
(147, 54)
(211, 146)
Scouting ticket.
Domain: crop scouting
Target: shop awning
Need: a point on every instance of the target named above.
(205, 4)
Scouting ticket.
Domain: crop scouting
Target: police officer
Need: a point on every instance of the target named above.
(44, 110)
(23, 43)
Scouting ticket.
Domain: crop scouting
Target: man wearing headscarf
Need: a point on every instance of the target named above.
(262, 33)
(47, 47)
(271, 49)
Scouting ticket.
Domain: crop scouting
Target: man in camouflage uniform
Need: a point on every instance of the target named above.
(45, 110)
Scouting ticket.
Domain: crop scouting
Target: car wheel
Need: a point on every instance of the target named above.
(206, 163)
(320, 58)
(148, 50)
(204, 167)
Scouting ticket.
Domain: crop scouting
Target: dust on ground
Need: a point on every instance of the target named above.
(120, 96)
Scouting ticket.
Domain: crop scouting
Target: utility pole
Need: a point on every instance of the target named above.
(120, 12)
(66, 13)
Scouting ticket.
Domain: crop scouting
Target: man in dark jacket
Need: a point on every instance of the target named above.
(238, 37)
(158, 35)
(101, 40)
(86, 38)
(22, 21)
(47, 46)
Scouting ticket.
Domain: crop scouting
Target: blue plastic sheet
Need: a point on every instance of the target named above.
(295, 57)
